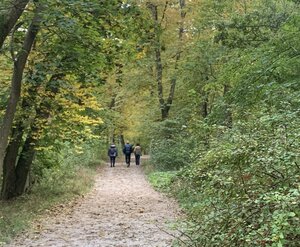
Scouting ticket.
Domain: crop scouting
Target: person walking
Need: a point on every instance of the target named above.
(138, 153)
(112, 153)
(127, 150)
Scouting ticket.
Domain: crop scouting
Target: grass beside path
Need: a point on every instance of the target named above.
(17, 214)
(160, 180)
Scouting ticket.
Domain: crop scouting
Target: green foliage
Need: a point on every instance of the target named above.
(16, 215)
(171, 147)
(54, 166)
(76, 50)
(230, 146)
(241, 186)
(161, 180)
(58, 175)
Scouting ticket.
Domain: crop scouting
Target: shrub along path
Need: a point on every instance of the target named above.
(121, 210)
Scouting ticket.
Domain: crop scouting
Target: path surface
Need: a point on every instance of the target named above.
(122, 210)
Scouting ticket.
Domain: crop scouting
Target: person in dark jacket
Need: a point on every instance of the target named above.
(138, 153)
(127, 150)
(112, 153)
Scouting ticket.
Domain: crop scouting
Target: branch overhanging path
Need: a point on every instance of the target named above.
(121, 210)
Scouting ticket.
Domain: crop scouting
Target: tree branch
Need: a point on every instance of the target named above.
(10, 18)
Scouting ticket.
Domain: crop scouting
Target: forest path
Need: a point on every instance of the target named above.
(121, 210)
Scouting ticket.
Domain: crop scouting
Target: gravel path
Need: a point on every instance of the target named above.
(122, 210)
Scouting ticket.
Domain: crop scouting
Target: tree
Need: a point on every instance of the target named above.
(63, 74)
(165, 104)
(19, 64)
(10, 16)
(243, 187)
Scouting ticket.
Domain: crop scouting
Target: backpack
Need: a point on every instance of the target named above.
(128, 149)
(112, 152)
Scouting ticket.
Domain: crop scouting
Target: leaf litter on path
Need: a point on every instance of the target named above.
(122, 210)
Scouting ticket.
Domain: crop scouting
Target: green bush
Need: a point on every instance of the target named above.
(171, 147)
(245, 191)
(53, 189)
(162, 180)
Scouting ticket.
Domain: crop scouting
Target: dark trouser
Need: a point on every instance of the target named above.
(127, 159)
(112, 161)
(137, 159)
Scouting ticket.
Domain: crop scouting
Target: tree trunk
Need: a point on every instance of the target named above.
(10, 18)
(18, 173)
(9, 174)
(165, 105)
(177, 58)
(158, 62)
(24, 163)
(11, 180)
(204, 107)
(228, 114)
(119, 73)
(122, 140)
(28, 152)
(19, 65)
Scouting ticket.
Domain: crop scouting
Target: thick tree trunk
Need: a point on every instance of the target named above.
(158, 61)
(24, 163)
(9, 174)
(19, 65)
(28, 152)
(165, 105)
(14, 179)
(10, 17)
(15, 183)
(122, 140)
(11, 180)
(177, 58)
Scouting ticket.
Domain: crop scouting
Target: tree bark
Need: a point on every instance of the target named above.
(158, 61)
(122, 140)
(177, 58)
(10, 176)
(10, 18)
(165, 104)
(24, 163)
(204, 107)
(28, 152)
(16, 83)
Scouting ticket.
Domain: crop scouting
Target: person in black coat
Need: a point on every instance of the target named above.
(112, 153)
(127, 150)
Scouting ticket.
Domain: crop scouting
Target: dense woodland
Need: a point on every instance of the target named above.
(211, 90)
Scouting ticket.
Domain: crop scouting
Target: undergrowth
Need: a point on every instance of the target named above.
(17, 215)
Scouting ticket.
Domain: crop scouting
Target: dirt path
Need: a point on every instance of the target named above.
(122, 210)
